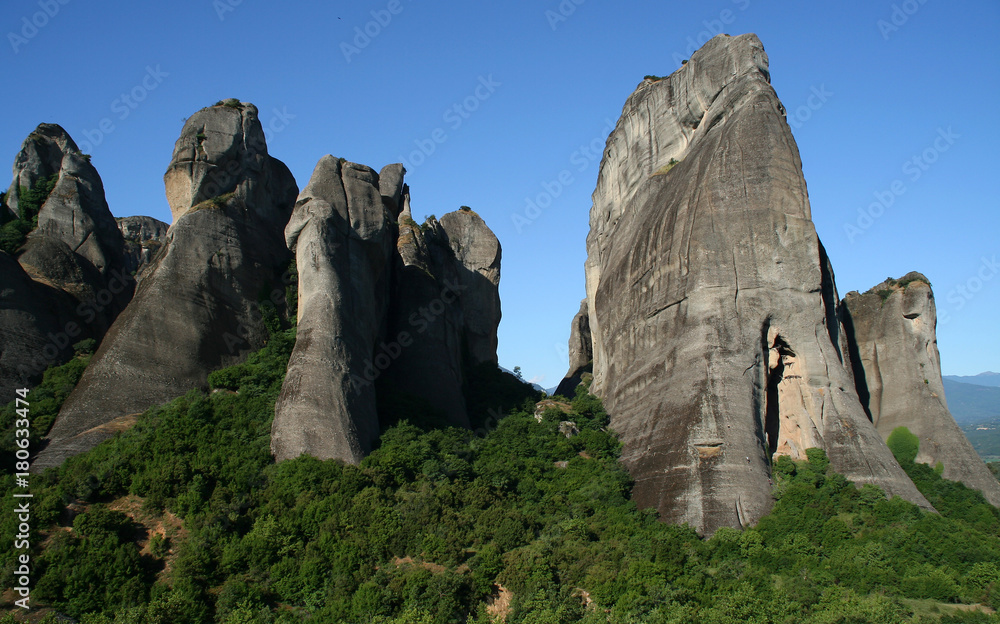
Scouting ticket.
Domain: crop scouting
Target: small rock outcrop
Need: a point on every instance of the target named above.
(144, 237)
(898, 374)
(66, 280)
(581, 352)
(386, 307)
(198, 306)
(712, 308)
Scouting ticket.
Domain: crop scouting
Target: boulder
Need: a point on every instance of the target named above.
(710, 299)
(198, 306)
(898, 374)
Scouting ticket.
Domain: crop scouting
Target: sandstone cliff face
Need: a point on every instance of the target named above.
(196, 308)
(66, 282)
(382, 303)
(144, 237)
(898, 372)
(711, 304)
(341, 233)
(446, 302)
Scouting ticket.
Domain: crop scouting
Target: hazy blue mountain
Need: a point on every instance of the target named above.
(982, 379)
(971, 404)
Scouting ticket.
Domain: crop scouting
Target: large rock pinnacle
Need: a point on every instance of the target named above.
(197, 306)
(712, 307)
(898, 372)
(388, 310)
(341, 233)
(67, 280)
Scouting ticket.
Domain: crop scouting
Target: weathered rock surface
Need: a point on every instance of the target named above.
(898, 373)
(76, 211)
(710, 299)
(196, 308)
(477, 252)
(144, 237)
(581, 352)
(342, 234)
(446, 304)
(67, 281)
(426, 315)
(33, 316)
(383, 303)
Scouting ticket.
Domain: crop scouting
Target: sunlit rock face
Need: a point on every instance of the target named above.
(711, 303)
(898, 372)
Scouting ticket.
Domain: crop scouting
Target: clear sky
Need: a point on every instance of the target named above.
(536, 85)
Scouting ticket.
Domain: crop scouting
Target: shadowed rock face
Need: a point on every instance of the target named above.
(67, 281)
(381, 300)
(446, 304)
(581, 352)
(710, 299)
(144, 236)
(30, 314)
(898, 371)
(196, 308)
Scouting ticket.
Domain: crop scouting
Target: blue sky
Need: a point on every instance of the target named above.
(906, 118)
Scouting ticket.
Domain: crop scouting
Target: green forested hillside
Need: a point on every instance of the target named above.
(185, 519)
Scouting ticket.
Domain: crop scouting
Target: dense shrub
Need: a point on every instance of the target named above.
(14, 231)
(433, 522)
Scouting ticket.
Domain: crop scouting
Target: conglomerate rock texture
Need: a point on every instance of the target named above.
(898, 373)
(712, 306)
(198, 305)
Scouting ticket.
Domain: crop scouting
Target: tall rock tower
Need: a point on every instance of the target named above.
(197, 306)
(898, 374)
(712, 306)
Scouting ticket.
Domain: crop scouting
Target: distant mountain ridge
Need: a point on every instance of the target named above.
(971, 404)
(988, 378)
